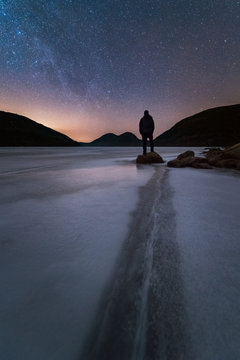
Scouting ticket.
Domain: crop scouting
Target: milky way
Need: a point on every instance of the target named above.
(91, 66)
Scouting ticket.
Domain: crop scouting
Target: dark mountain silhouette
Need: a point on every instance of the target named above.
(16, 130)
(125, 139)
(213, 127)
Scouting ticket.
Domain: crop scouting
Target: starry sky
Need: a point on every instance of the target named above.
(87, 67)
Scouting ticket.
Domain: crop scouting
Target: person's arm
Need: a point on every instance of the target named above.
(140, 126)
(153, 126)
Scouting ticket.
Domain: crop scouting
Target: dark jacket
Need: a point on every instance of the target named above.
(146, 125)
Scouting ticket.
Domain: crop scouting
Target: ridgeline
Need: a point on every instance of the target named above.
(17, 130)
(213, 127)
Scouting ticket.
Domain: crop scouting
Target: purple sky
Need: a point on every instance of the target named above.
(90, 67)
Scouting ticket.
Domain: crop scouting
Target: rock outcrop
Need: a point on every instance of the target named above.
(188, 159)
(235, 149)
(149, 158)
(215, 157)
(227, 158)
(185, 155)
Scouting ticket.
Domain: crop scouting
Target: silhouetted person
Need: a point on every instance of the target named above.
(146, 128)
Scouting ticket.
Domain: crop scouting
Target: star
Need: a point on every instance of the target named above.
(118, 57)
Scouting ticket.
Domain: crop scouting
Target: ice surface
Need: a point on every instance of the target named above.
(208, 234)
(65, 214)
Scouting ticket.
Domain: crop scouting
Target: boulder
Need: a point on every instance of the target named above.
(190, 161)
(175, 163)
(213, 152)
(149, 158)
(202, 165)
(234, 151)
(230, 152)
(227, 158)
(186, 154)
(228, 163)
(213, 160)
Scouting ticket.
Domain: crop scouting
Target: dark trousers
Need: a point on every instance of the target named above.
(144, 138)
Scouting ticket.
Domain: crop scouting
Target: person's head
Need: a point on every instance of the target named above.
(146, 112)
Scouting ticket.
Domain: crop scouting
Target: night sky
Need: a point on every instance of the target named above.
(87, 67)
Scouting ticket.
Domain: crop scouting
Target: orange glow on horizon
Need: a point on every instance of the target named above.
(85, 124)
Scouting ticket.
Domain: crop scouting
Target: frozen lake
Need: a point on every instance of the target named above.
(103, 259)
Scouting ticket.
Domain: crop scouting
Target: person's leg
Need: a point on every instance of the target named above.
(151, 142)
(144, 139)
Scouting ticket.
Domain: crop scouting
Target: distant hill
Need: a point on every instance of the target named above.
(214, 127)
(16, 130)
(125, 139)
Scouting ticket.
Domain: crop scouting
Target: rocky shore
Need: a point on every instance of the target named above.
(212, 157)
